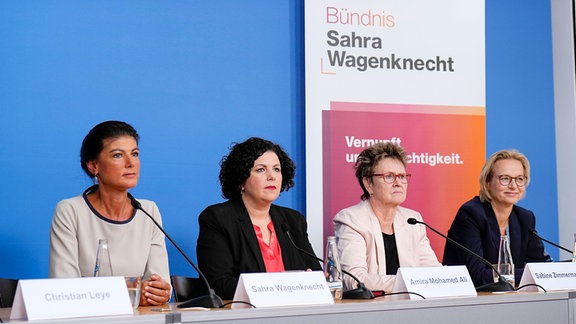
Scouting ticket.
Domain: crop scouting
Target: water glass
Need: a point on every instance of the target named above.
(494, 274)
(134, 284)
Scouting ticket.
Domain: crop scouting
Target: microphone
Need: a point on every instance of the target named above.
(500, 285)
(359, 293)
(533, 232)
(209, 301)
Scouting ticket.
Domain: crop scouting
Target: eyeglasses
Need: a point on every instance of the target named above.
(506, 180)
(390, 177)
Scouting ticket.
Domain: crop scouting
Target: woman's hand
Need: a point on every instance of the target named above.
(155, 291)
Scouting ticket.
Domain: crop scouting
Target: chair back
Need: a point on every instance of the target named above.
(7, 291)
(186, 288)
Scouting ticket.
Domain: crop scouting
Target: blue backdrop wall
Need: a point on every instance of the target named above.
(193, 77)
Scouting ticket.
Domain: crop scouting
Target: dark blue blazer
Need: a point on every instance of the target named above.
(227, 244)
(475, 226)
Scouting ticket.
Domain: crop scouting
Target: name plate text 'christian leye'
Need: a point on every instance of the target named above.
(40, 299)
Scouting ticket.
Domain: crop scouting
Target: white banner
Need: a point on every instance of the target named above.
(407, 71)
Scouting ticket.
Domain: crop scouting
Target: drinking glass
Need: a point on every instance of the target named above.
(494, 274)
(134, 284)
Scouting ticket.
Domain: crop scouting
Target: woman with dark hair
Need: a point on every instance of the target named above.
(110, 156)
(244, 234)
(373, 236)
(481, 221)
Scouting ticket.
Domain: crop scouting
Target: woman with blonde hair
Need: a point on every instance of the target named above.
(481, 221)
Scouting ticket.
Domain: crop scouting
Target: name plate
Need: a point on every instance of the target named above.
(549, 275)
(447, 281)
(267, 289)
(40, 299)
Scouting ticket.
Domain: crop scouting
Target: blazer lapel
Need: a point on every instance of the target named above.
(515, 229)
(377, 239)
(493, 229)
(249, 235)
(285, 245)
(403, 241)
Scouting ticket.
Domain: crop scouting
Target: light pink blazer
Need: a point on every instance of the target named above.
(361, 245)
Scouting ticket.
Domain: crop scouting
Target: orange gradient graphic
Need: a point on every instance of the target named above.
(446, 147)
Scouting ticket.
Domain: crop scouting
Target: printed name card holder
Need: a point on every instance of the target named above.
(446, 281)
(291, 288)
(41, 299)
(549, 275)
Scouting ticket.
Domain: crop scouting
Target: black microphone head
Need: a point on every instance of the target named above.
(412, 221)
(285, 228)
(135, 203)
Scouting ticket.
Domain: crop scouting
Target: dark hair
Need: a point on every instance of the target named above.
(371, 156)
(93, 143)
(235, 167)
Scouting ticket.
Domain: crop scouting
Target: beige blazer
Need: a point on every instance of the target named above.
(361, 245)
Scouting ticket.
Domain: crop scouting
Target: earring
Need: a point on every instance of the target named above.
(95, 179)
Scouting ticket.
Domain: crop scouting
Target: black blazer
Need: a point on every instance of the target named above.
(475, 226)
(227, 244)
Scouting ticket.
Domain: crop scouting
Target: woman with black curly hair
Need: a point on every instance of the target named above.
(244, 234)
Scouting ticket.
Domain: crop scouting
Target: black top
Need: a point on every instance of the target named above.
(391, 251)
(227, 244)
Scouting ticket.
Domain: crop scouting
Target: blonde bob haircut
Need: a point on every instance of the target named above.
(488, 170)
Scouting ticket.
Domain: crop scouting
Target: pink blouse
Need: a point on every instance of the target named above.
(272, 254)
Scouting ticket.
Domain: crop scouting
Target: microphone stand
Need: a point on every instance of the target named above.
(533, 232)
(212, 300)
(499, 286)
(361, 292)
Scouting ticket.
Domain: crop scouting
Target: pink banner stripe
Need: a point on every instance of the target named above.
(411, 109)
